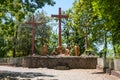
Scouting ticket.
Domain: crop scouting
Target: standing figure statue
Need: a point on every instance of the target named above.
(67, 50)
(76, 50)
(44, 50)
(60, 50)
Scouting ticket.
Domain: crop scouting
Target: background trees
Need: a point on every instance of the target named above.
(11, 13)
(109, 12)
(100, 18)
(79, 20)
(42, 35)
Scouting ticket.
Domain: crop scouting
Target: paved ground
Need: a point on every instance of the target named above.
(51, 74)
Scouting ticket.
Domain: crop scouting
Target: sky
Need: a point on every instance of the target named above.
(63, 4)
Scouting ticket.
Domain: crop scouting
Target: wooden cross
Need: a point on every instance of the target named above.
(59, 16)
(33, 23)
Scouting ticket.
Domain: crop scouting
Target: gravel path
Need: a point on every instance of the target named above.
(52, 74)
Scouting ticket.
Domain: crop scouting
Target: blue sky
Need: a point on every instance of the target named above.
(64, 4)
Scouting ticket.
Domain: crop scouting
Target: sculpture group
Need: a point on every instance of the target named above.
(61, 51)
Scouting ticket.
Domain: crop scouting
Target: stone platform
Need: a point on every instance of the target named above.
(53, 62)
(71, 62)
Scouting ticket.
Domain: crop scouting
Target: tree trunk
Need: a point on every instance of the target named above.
(14, 54)
(14, 44)
(86, 39)
(114, 50)
(105, 52)
(113, 43)
(105, 45)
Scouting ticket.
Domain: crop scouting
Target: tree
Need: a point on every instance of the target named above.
(13, 11)
(79, 21)
(42, 35)
(109, 12)
(95, 16)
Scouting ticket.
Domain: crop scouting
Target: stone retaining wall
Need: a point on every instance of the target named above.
(11, 61)
(52, 62)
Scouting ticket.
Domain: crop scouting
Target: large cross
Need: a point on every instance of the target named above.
(33, 23)
(59, 16)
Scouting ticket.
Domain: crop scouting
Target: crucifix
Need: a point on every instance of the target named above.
(33, 23)
(59, 16)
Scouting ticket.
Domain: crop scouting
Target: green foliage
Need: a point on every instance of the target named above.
(2, 47)
(109, 12)
(12, 12)
(79, 20)
(24, 36)
(53, 42)
(117, 50)
(100, 17)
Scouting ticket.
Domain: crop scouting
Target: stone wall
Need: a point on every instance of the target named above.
(51, 62)
(54, 61)
(11, 61)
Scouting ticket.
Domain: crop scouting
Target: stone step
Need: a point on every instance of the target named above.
(61, 68)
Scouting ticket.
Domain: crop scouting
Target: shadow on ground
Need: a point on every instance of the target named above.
(98, 73)
(4, 74)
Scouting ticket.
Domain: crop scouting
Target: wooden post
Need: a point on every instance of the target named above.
(59, 16)
(33, 23)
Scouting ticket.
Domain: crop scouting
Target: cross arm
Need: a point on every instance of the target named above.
(59, 16)
(54, 15)
(34, 23)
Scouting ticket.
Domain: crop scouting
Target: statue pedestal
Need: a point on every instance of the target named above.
(59, 62)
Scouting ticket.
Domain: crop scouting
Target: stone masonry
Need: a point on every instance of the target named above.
(52, 62)
(72, 62)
